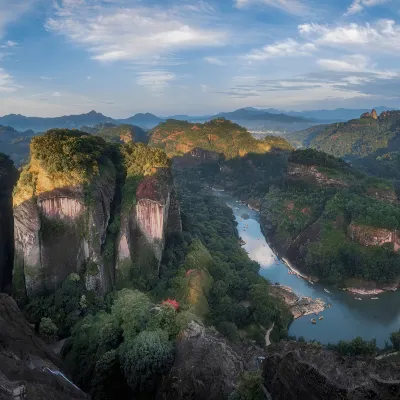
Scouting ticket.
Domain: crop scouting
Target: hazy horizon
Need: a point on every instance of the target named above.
(121, 57)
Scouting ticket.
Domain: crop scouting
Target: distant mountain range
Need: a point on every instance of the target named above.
(251, 118)
(328, 116)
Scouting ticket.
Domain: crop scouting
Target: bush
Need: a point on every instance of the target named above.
(48, 329)
(145, 358)
(395, 339)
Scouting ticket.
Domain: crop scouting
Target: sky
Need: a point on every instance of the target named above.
(120, 57)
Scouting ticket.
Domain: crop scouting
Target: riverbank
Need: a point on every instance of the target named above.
(299, 306)
(345, 319)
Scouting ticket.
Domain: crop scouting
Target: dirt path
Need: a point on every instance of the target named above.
(267, 340)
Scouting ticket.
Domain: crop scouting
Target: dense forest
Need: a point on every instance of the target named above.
(125, 341)
(366, 136)
(118, 133)
(323, 216)
(219, 135)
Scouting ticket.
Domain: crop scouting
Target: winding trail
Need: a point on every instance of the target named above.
(267, 340)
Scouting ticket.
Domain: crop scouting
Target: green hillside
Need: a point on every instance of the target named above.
(118, 133)
(219, 136)
(356, 138)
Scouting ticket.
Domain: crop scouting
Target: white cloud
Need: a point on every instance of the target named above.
(47, 78)
(296, 7)
(113, 33)
(7, 83)
(359, 5)
(384, 35)
(214, 61)
(156, 81)
(287, 48)
(8, 44)
(56, 94)
(356, 63)
(11, 10)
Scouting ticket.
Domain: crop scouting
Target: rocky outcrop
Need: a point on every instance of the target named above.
(144, 227)
(299, 306)
(26, 363)
(61, 231)
(205, 367)
(388, 195)
(370, 236)
(373, 114)
(311, 172)
(305, 371)
(8, 178)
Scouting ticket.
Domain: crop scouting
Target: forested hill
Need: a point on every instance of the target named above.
(368, 135)
(118, 133)
(219, 136)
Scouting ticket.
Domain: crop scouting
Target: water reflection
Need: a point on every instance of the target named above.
(346, 319)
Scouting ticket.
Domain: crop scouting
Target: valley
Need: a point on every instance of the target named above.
(345, 318)
(119, 249)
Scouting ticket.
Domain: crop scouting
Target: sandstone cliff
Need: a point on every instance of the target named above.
(145, 225)
(60, 223)
(8, 177)
(26, 361)
(305, 371)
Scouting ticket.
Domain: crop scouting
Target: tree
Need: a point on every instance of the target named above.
(48, 329)
(249, 387)
(145, 358)
(131, 309)
(395, 339)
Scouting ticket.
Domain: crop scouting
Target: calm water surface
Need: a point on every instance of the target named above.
(346, 319)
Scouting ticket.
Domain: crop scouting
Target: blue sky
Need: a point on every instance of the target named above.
(168, 57)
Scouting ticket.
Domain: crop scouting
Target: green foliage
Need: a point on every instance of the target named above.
(118, 133)
(145, 358)
(359, 137)
(249, 387)
(229, 330)
(219, 136)
(64, 307)
(355, 347)
(48, 329)
(139, 161)
(128, 349)
(131, 309)
(63, 151)
(234, 275)
(395, 339)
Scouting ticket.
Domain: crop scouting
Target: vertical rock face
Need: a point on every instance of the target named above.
(8, 177)
(145, 226)
(370, 236)
(61, 231)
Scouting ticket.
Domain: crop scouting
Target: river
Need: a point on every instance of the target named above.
(346, 319)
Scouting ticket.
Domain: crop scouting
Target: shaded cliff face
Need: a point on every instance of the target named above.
(59, 232)
(61, 218)
(293, 370)
(25, 357)
(8, 178)
(205, 367)
(144, 226)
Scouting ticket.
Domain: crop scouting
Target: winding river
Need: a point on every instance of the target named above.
(346, 319)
